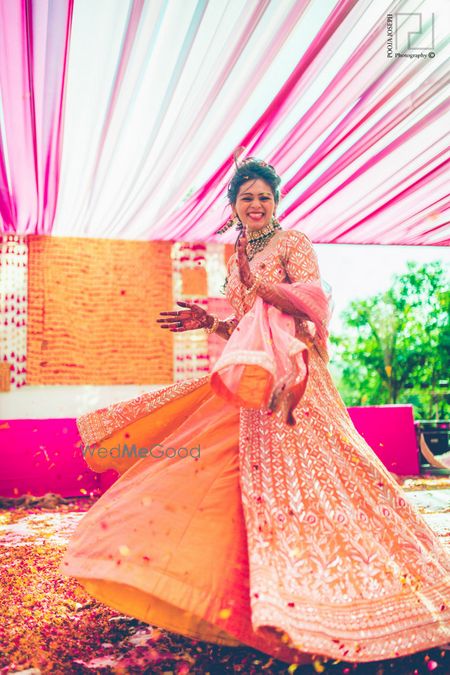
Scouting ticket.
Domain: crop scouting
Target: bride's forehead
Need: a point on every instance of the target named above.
(255, 186)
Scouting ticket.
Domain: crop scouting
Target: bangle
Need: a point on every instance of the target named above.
(215, 325)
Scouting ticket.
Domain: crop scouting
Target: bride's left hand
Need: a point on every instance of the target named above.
(243, 263)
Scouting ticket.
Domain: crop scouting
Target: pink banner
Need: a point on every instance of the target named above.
(390, 432)
(40, 456)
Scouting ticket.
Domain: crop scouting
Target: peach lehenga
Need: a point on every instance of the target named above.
(295, 540)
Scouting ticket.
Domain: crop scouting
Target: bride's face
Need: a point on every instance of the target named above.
(255, 204)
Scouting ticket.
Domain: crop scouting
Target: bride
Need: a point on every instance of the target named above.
(286, 533)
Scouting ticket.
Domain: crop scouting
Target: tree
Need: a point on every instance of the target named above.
(396, 348)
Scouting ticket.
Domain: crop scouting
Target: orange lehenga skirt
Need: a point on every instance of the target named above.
(296, 541)
(167, 542)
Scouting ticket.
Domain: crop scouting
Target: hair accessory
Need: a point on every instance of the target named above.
(237, 153)
(257, 161)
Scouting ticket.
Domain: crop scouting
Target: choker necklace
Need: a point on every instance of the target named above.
(256, 234)
(258, 239)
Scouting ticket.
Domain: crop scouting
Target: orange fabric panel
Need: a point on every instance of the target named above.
(172, 549)
(5, 376)
(194, 281)
(141, 434)
(93, 305)
(228, 251)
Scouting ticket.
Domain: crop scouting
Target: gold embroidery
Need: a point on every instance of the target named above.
(102, 423)
(334, 548)
(339, 561)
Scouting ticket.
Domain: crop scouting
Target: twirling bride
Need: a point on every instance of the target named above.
(287, 533)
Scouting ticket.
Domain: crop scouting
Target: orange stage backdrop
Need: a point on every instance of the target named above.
(228, 251)
(86, 319)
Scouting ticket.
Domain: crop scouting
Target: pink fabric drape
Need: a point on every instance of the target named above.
(263, 362)
(246, 30)
(134, 18)
(361, 88)
(193, 217)
(34, 41)
(376, 125)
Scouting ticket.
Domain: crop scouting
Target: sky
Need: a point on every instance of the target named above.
(356, 272)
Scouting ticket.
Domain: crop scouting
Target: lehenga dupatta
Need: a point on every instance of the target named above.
(264, 364)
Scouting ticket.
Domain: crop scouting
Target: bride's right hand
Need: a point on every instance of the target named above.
(189, 319)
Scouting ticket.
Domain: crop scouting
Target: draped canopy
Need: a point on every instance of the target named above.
(118, 118)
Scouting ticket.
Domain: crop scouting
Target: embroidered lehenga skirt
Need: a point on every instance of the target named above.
(294, 540)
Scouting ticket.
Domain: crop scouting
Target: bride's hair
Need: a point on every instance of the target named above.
(250, 169)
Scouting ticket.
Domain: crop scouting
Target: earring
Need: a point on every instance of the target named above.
(232, 220)
(228, 224)
(275, 222)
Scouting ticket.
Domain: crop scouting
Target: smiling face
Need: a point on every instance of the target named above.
(255, 204)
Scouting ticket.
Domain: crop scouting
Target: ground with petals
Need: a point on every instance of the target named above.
(49, 623)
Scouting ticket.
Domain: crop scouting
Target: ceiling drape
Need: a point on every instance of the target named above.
(34, 39)
(118, 118)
